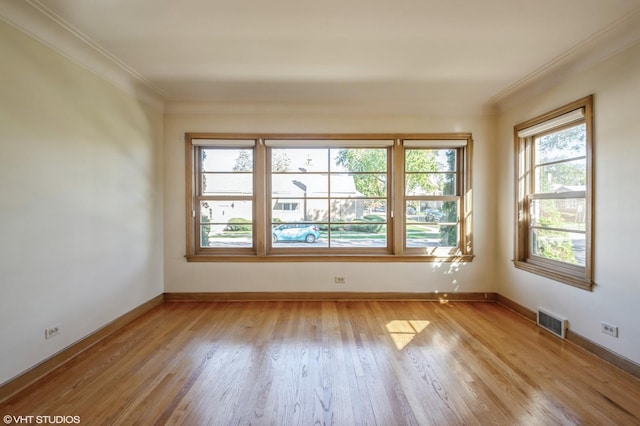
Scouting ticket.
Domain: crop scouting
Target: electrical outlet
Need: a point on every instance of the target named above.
(52, 332)
(339, 280)
(609, 329)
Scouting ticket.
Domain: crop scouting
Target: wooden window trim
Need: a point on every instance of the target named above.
(462, 196)
(262, 251)
(574, 275)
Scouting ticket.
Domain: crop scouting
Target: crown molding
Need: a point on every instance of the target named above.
(416, 108)
(611, 40)
(38, 22)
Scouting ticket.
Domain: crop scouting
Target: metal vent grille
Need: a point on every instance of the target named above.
(552, 323)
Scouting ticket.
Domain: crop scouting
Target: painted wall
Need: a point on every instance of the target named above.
(616, 296)
(80, 202)
(181, 276)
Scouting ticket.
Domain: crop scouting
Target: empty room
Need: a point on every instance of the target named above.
(417, 212)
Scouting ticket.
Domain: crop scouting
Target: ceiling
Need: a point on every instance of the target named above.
(400, 55)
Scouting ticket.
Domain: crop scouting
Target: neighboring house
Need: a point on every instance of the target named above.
(571, 209)
(289, 200)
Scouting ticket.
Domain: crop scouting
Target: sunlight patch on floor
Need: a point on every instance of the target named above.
(402, 332)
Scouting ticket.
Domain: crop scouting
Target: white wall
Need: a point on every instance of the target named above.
(80, 202)
(616, 296)
(181, 276)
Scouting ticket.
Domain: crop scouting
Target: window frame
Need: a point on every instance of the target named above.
(462, 182)
(525, 134)
(262, 251)
(321, 144)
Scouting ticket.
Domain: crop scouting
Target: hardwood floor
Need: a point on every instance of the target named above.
(344, 363)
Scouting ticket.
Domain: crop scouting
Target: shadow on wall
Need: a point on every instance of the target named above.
(449, 268)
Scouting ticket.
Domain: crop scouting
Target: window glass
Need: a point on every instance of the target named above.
(226, 223)
(431, 189)
(561, 145)
(339, 196)
(226, 160)
(565, 176)
(225, 198)
(566, 247)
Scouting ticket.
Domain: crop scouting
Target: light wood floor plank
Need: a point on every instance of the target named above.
(334, 362)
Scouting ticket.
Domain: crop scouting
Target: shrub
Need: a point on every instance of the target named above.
(204, 232)
(371, 224)
(238, 224)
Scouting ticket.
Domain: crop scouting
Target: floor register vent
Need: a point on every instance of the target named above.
(552, 323)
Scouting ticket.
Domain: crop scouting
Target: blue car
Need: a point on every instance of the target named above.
(308, 233)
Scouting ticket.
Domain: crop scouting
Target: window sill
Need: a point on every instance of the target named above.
(328, 258)
(575, 281)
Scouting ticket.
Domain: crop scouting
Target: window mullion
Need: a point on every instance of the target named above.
(397, 198)
(260, 197)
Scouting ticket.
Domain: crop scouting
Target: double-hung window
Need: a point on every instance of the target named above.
(328, 197)
(554, 194)
(222, 194)
(434, 201)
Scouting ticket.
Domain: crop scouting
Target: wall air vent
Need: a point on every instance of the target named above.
(552, 323)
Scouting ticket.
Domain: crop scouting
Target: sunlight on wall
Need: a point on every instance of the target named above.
(402, 332)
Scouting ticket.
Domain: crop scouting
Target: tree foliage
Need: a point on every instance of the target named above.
(244, 163)
(557, 145)
(568, 144)
(360, 161)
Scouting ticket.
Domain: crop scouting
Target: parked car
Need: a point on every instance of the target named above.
(433, 215)
(306, 232)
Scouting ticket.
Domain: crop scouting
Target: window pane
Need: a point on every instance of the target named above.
(296, 185)
(299, 160)
(566, 213)
(430, 184)
(293, 210)
(347, 209)
(430, 160)
(226, 224)
(420, 211)
(562, 177)
(567, 143)
(434, 225)
(363, 235)
(376, 207)
(297, 235)
(227, 183)
(565, 247)
(359, 185)
(227, 160)
(430, 235)
(359, 160)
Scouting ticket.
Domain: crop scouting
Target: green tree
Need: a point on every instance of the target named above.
(375, 160)
(570, 174)
(553, 244)
(448, 233)
(365, 160)
(422, 160)
(280, 162)
(244, 162)
(567, 144)
(558, 145)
